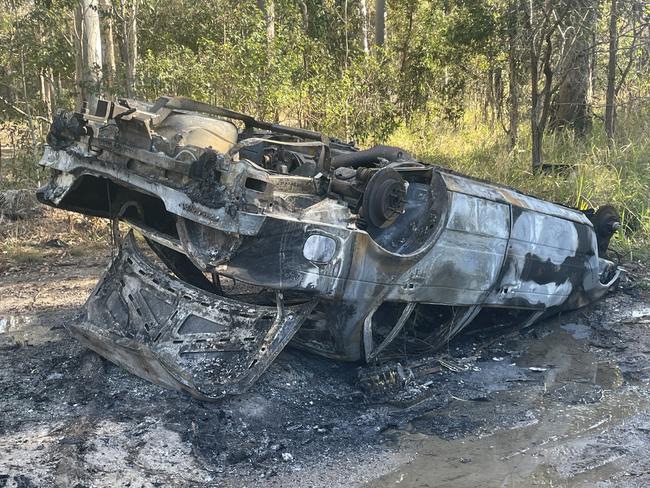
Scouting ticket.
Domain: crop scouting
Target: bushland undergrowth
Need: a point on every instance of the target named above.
(587, 172)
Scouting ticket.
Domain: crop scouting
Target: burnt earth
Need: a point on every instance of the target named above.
(70, 418)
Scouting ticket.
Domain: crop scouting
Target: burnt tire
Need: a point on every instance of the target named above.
(606, 221)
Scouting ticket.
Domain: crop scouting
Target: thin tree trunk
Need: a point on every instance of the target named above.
(405, 45)
(129, 14)
(637, 32)
(79, 57)
(270, 23)
(92, 51)
(45, 93)
(489, 110)
(49, 85)
(270, 27)
(88, 61)
(408, 102)
(498, 94)
(28, 109)
(108, 44)
(304, 108)
(380, 22)
(268, 11)
(535, 133)
(610, 98)
(363, 6)
(59, 85)
(513, 77)
(305, 28)
(347, 41)
(43, 82)
(541, 63)
(541, 99)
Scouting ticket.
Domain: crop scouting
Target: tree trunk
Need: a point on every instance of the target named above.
(59, 85)
(78, 54)
(363, 12)
(408, 100)
(108, 44)
(573, 101)
(513, 77)
(305, 29)
(268, 10)
(487, 101)
(610, 98)
(129, 14)
(270, 23)
(540, 99)
(537, 138)
(91, 48)
(28, 109)
(45, 93)
(535, 134)
(50, 85)
(303, 109)
(347, 40)
(541, 36)
(380, 22)
(44, 87)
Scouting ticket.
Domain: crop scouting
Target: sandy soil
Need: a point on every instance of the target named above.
(566, 403)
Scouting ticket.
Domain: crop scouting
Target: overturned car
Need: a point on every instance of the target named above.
(260, 234)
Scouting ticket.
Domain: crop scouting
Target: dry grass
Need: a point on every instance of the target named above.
(54, 235)
(593, 174)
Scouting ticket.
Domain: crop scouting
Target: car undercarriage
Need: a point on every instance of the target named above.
(253, 235)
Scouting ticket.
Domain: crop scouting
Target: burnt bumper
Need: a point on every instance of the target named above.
(179, 336)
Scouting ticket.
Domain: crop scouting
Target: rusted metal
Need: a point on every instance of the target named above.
(370, 253)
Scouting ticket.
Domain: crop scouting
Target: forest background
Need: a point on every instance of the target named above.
(549, 96)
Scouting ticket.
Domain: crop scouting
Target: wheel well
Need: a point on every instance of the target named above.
(101, 197)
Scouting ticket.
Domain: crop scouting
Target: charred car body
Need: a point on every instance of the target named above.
(268, 234)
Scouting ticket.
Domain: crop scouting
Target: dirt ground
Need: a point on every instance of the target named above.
(566, 403)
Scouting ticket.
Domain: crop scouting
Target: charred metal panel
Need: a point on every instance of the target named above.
(465, 261)
(71, 165)
(548, 259)
(178, 335)
(506, 195)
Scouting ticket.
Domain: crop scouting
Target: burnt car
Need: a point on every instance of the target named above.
(255, 234)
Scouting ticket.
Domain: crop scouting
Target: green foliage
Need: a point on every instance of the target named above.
(594, 175)
(299, 80)
(439, 85)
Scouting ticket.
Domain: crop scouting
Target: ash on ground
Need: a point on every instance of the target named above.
(70, 418)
